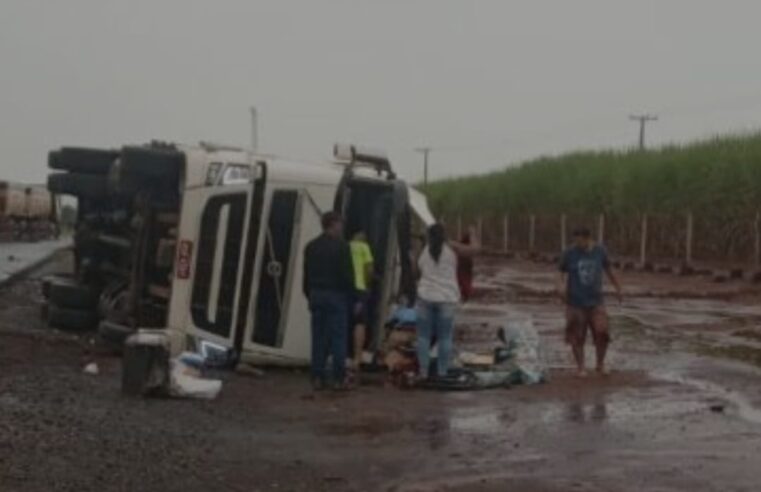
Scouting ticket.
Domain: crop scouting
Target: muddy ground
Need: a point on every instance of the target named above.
(679, 412)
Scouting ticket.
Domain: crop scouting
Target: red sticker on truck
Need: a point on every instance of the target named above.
(184, 256)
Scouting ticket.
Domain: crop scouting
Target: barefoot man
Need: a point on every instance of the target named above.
(580, 288)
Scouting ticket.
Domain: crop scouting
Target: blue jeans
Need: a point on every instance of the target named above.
(330, 318)
(434, 318)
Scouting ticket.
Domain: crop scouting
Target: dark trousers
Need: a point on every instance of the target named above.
(330, 317)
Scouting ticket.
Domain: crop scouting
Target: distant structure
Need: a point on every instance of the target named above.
(425, 151)
(643, 120)
(254, 130)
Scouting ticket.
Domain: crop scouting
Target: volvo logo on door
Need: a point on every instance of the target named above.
(275, 269)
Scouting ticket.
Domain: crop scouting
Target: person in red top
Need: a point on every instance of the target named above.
(465, 271)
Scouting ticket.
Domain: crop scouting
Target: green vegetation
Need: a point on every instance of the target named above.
(719, 177)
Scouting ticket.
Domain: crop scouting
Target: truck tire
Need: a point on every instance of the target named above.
(153, 163)
(71, 319)
(69, 293)
(79, 185)
(48, 279)
(82, 160)
(114, 334)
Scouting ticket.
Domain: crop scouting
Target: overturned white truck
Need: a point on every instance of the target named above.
(206, 242)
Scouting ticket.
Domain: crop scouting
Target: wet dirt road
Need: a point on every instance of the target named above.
(679, 412)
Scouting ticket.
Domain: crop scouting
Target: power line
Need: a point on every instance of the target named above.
(643, 119)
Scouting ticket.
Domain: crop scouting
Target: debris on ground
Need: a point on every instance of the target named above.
(473, 359)
(717, 408)
(516, 358)
(522, 351)
(91, 369)
(145, 366)
(148, 370)
(186, 379)
(249, 370)
(215, 355)
(194, 363)
(397, 353)
(465, 379)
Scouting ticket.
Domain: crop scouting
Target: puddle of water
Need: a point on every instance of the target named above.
(645, 326)
(742, 406)
(748, 334)
(481, 311)
(653, 311)
(619, 410)
(741, 353)
(481, 422)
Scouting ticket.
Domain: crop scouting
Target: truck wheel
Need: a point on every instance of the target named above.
(114, 334)
(82, 160)
(152, 163)
(77, 184)
(71, 319)
(48, 279)
(71, 294)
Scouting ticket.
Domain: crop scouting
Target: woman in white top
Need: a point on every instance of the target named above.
(438, 295)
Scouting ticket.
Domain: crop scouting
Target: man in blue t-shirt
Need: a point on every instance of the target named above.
(580, 288)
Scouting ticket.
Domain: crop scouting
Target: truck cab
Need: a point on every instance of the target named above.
(207, 241)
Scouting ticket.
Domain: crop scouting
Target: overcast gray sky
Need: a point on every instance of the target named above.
(485, 82)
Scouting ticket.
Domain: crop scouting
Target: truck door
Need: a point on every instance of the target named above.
(273, 289)
(277, 330)
(219, 232)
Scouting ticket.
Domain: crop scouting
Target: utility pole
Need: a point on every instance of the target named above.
(254, 130)
(425, 151)
(643, 119)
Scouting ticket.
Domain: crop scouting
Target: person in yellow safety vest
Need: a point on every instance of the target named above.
(362, 260)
